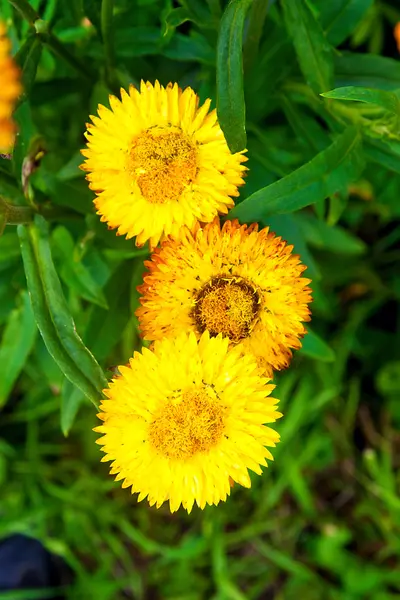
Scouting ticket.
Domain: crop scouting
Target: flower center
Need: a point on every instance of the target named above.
(193, 425)
(163, 161)
(226, 305)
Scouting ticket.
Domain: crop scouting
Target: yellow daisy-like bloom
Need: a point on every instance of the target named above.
(10, 89)
(187, 418)
(158, 161)
(243, 283)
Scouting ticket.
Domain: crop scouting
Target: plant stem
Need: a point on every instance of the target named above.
(48, 38)
(15, 215)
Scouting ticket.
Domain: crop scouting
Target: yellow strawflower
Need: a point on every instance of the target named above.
(186, 419)
(158, 161)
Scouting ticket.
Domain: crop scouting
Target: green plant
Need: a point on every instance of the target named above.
(318, 101)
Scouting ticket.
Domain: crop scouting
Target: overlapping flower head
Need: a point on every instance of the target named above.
(236, 281)
(187, 418)
(157, 161)
(10, 89)
(224, 306)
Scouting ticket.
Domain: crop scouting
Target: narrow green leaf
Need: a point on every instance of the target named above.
(176, 17)
(58, 307)
(315, 347)
(16, 344)
(367, 70)
(51, 313)
(104, 327)
(230, 95)
(332, 238)
(9, 188)
(71, 400)
(193, 47)
(28, 59)
(198, 11)
(287, 227)
(385, 153)
(73, 272)
(339, 18)
(285, 562)
(328, 172)
(72, 193)
(254, 30)
(44, 321)
(386, 100)
(313, 50)
(305, 127)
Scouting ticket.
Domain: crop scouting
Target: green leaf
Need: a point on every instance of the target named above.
(328, 172)
(193, 47)
(313, 51)
(305, 127)
(332, 238)
(386, 100)
(71, 400)
(287, 227)
(137, 41)
(58, 307)
(16, 344)
(384, 153)
(28, 58)
(71, 193)
(198, 10)
(339, 18)
(104, 328)
(254, 31)
(367, 70)
(9, 249)
(230, 95)
(52, 314)
(73, 271)
(315, 347)
(9, 187)
(176, 17)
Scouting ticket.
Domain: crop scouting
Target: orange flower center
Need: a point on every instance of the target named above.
(227, 305)
(163, 161)
(192, 425)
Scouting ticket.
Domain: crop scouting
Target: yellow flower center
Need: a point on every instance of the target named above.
(227, 305)
(193, 425)
(163, 162)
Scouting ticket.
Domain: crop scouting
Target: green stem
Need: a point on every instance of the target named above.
(48, 38)
(15, 215)
(107, 32)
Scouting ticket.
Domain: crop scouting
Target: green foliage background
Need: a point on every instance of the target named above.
(324, 520)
